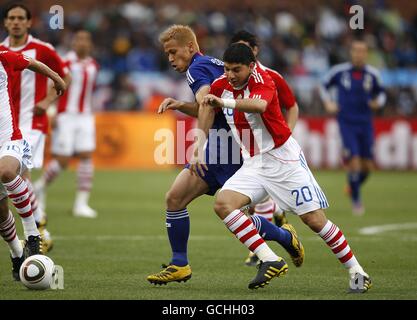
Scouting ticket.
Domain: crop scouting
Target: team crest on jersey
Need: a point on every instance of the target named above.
(367, 82)
(3, 80)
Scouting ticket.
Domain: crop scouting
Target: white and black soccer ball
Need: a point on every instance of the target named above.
(36, 272)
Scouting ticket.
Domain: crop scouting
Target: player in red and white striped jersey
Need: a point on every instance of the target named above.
(274, 163)
(74, 132)
(15, 159)
(268, 208)
(31, 93)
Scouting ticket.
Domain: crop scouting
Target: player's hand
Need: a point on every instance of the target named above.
(331, 107)
(373, 104)
(41, 107)
(212, 100)
(197, 164)
(169, 104)
(59, 86)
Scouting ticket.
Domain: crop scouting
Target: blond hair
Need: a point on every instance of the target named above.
(182, 34)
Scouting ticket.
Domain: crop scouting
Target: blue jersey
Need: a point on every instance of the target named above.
(355, 88)
(202, 71)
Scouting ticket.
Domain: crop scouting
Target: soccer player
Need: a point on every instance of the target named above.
(74, 133)
(15, 158)
(268, 208)
(180, 45)
(274, 164)
(31, 95)
(359, 92)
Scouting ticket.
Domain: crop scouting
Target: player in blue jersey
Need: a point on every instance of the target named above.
(180, 45)
(359, 92)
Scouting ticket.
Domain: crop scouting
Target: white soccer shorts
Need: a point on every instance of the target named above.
(21, 150)
(36, 140)
(282, 173)
(74, 133)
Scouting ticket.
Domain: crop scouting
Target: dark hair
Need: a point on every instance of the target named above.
(239, 53)
(17, 5)
(246, 36)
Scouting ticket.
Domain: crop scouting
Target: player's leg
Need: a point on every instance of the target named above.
(308, 201)
(85, 173)
(15, 157)
(351, 152)
(269, 210)
(185, 189)
(242, 189)
(84, 145)
(9, 234)
(337, 242)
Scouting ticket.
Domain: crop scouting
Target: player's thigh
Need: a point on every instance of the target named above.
(185, 189)
(246, 182)
(15, 157)
(295, 188)
(63, 136)
(85, 136)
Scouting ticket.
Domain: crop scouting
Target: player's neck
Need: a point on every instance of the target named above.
(16, 42)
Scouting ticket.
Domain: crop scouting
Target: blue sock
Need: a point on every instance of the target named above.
(270, 231)
(178, 227)
(354, 183)
(363, 176)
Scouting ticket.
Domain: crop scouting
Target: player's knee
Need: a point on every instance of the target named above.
(222, 208)
(316, 220)
(8, 171)
(174, 201)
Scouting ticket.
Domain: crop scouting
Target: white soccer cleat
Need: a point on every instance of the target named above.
(84, 212)
(359, 280)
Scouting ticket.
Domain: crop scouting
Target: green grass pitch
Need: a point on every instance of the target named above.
(110, 257)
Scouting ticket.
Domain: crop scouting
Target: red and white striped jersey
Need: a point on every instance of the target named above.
(78, 97)
(255, 132)
(28, 87)
(285, 96)
(10, 64)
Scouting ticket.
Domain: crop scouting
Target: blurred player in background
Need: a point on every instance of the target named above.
(268, 208)
(32, 95)
(15, 159)
(180, 45)
(74, 131)
(273, 164)
(359, 92)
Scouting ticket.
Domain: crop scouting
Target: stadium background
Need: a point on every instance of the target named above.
(110, 257)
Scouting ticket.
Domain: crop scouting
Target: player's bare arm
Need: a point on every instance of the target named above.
(205, 122)
(291, 116)
(188, 108)
(331, 107)
(43, 105)
(59, 84)
(248, 105)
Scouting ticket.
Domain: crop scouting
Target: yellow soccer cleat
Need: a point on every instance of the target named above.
(280, 219)
(47, 243)
(296, 250)
(171, 273)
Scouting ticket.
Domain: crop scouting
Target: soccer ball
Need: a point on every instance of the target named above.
(36, 272)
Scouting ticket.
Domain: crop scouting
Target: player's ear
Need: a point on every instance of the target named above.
(252, 66)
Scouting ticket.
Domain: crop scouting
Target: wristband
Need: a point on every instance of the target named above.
(229, 103)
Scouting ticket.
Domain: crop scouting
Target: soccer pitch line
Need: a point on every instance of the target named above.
(372, 230)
